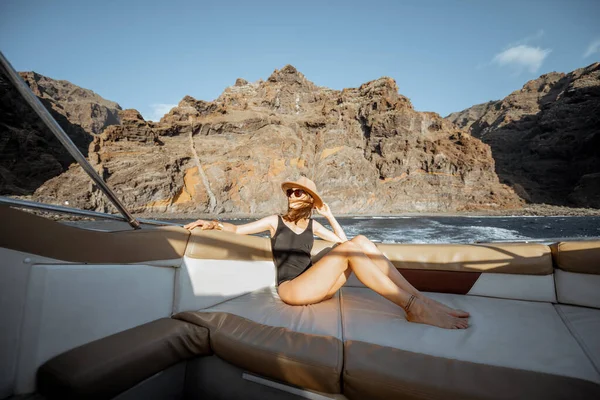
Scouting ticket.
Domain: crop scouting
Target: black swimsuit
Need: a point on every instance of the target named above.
(291, 251)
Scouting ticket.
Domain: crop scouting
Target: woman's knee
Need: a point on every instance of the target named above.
(362, 241)
(349, 248)
(358, 239)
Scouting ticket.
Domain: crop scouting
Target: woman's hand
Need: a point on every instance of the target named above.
(204, 225)
(324, 210)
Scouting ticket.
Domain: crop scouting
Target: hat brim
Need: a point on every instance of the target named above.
(287, 185)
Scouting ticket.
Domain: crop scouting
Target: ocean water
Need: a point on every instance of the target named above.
(417, 229)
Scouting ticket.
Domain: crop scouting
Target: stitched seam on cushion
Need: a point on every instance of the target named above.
(176, 293)
(577, 337)
(558, 263)
(342, 315)
(341, 366)
(555, 286)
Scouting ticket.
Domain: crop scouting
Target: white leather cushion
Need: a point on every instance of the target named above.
(265, 307)
(584, 323)
(507, 333)
(203, 283)
(578, 289)
(513, 286)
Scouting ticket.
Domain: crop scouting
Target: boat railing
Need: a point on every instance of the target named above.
(33, 205)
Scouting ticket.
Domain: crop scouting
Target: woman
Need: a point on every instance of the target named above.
(299, 282)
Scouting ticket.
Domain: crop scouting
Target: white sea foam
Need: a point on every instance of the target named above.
(465, 235)
(507, 216)
(433, 231)
(383, 217)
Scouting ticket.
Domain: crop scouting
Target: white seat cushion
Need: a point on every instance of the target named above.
(584, 323)
(265, 307)
(578, 289)
(504, 333)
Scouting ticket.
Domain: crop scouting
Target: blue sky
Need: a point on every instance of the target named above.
(444, 55)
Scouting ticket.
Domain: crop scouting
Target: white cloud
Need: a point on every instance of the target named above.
(594, 47)
(522, 56)
(157, 111)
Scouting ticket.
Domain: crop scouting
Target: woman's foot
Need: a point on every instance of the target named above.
(443, 307)
(423, 313)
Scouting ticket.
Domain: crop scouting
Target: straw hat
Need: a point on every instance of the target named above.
(305, 184)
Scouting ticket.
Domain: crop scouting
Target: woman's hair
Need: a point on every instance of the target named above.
(303, 211)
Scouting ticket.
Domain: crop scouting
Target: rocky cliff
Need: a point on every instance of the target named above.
(79, 106)
(545, 137)
(29, 153)
(366, 148)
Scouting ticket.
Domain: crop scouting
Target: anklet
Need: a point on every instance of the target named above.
(409, 303)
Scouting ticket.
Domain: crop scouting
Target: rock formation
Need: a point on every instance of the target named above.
(545, 137)
(30, 154)
(366, 148)
(79, 106)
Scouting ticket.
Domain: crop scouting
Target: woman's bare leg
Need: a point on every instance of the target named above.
(339, 283)
(386, 266)
(313, 285)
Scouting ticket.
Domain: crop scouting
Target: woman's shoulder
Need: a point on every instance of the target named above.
(271, 220)
(274, 219)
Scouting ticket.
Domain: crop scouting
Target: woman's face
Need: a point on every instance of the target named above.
(295, 202)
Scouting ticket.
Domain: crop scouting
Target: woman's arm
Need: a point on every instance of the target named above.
(339, 232)
(261, 225)
(325, 233)
(337, 228)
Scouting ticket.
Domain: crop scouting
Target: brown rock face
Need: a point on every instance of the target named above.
(29, 153)
(545, 138)
(366, 148)
(78, 105)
